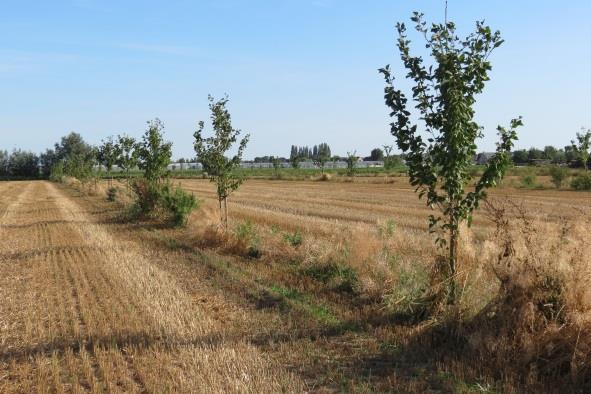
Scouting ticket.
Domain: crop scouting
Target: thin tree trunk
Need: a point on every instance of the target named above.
(226, 212)
(453, 250)
(221, 211)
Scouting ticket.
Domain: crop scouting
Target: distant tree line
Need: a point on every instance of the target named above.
(549, 153)
(19, 164)
(73, 156)
(307, 153)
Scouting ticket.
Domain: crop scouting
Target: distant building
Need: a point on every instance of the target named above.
(483, 157)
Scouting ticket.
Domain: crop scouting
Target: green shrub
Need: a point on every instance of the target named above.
(153, 199)
(147, 197)
(581, 182)
(177, 203)
(558, 175)
(529, 181)
(112, 194)
(294, 239)
(57, 172)
(247, 236)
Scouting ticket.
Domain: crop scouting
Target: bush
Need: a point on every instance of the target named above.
(178, 204)
(153, 199)
(294, 239)
(112, 194)
(247, 238)
(147, 197)
(581, 182)
(529, 181)
(558, 175)
(57, 172)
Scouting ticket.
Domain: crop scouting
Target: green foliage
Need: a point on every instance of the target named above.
(107, 154)
(211, 153)
(391, 161)
(294, 239)
(57, 171)
(558, 175)
(276, 166)
(178, 203)
(321, 155)
(164, 200)
(21, 164)
(581, 147)
(112, 194)
(126, 154)
(581, 182)
(351, 163)
(295, 162)
(247, 235)
(77, 157)
(147, 197)
(47, 160)
(529, 180)
(153, 152)
(376, 154)
(445, 93)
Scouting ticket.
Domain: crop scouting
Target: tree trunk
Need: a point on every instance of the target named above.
(221, 211)
(453, 251)
(226, 212)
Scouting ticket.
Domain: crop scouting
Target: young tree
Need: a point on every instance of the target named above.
(445, 94)
(126, 153)
(351, 163)
(558, 175)
(212, 153)
(107, 157)
(153, 152)
(581, 147)
(276, 166)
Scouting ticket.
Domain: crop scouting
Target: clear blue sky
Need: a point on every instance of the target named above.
(297, 71)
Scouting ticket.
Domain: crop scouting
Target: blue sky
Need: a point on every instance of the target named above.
(297, 71)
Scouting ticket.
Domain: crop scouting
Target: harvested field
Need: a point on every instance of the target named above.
(84, 311)
(324, 207)
(93, 303)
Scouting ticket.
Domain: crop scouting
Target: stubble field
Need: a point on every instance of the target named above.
(94, 303)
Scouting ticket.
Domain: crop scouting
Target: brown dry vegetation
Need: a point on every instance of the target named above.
(93, 303)
(85, 311)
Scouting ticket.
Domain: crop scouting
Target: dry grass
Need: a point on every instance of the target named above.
(97, 304)
(84, 311)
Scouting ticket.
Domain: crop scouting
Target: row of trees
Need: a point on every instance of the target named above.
(569, 154)
(305, 152)
(19, 164)
(72, 156)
